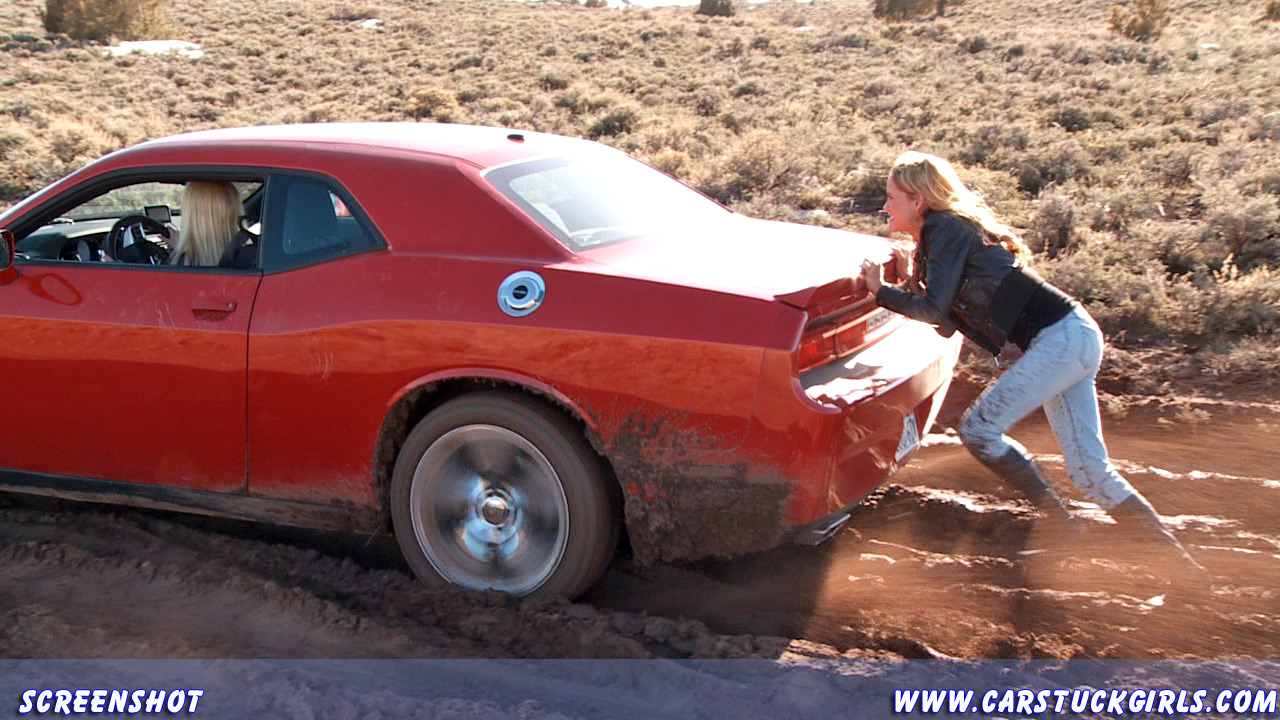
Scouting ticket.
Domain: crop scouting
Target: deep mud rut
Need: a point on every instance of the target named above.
(941, 562)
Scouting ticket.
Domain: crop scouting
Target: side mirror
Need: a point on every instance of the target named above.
(8, 273)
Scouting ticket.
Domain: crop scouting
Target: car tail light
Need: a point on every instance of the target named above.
(843, 325)
(813, 352)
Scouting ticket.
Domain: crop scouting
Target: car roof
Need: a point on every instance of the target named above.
(480, 146)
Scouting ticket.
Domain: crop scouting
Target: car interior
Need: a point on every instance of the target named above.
(134, 224)
(139, 224)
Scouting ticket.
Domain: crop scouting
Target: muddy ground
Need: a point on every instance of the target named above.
(941, 563)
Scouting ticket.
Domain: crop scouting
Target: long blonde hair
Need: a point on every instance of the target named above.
(210, 218)
(934, 179)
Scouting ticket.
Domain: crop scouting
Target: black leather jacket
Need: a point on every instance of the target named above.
(970, 284)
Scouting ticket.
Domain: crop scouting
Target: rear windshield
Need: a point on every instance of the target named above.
(602, 200)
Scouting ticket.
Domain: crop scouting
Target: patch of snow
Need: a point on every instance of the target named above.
(156, 47)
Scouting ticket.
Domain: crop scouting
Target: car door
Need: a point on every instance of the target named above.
(312, 355)
(125, 372)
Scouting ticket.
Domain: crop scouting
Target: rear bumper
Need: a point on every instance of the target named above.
(863, 413)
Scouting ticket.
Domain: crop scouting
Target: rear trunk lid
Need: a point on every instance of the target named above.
(813, 269)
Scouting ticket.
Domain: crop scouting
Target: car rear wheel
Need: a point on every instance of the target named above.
(492, 491)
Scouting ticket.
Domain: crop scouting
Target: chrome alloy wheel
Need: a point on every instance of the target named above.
(488, 510)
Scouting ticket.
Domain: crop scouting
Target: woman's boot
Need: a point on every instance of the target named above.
(1135, 512)
(1022, 474)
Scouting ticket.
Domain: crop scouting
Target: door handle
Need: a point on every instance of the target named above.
(213, 305)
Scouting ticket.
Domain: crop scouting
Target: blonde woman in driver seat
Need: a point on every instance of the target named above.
(211, 213)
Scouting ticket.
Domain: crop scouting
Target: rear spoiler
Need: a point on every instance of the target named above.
(823, 294)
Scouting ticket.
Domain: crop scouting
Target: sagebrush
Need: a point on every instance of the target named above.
(104, 19)
(906, 9)
(1146, 21)
(723, 8)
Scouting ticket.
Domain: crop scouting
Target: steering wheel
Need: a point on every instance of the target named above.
(139, 249)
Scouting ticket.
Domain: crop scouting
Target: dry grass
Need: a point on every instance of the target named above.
(1146, 173)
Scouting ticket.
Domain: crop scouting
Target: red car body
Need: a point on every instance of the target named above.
(739, 389)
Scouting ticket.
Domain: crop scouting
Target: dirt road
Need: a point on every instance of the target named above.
(942, 562)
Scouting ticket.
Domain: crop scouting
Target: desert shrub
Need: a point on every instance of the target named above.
(1247, 227)
(1071, 119)
(1051, 165)
(760, 162)
(974, 45)
(73, 143)
(12, 138)
(432, 102)
(104, 19)
(1181, 247)
(671, 161)
(578, 102)
(861, 188)
(17, 146)
(1121, 208)
(1272, 12)
(1174, 168)
(1214, 308)
(616, 122)
(1055, 224)
(1249, 360)
(352, 13)
(1127, 297)
(553, 81)
(907, 9)
(1263, 177)
(987, 144)
(1266, 127)
(849, 40)
(1235, 304)
(708, 101)
(1146, 21)
(1134, 299)
(721, 8)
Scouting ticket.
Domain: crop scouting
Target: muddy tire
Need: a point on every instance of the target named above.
(494, 491)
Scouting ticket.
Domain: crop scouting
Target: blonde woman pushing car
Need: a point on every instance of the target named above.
(968, 273)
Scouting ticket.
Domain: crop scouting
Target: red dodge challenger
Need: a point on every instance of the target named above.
(507, 347)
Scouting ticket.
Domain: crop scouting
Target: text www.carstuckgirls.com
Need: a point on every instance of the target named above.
(1260, 703)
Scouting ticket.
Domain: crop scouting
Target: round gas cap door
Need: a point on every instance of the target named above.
(521, 293)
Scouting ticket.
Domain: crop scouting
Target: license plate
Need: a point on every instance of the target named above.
(910, 437)
(880, 318)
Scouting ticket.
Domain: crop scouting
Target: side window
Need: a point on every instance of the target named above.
(175, 221)
(309, 221)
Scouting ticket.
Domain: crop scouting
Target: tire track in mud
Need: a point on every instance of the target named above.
(83, 581)
(942, 562)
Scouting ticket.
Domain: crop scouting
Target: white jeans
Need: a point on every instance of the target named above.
(1057, 372)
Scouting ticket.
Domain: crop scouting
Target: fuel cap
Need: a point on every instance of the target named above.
(521, 293)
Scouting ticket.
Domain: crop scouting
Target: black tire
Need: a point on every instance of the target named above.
(495, 491)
